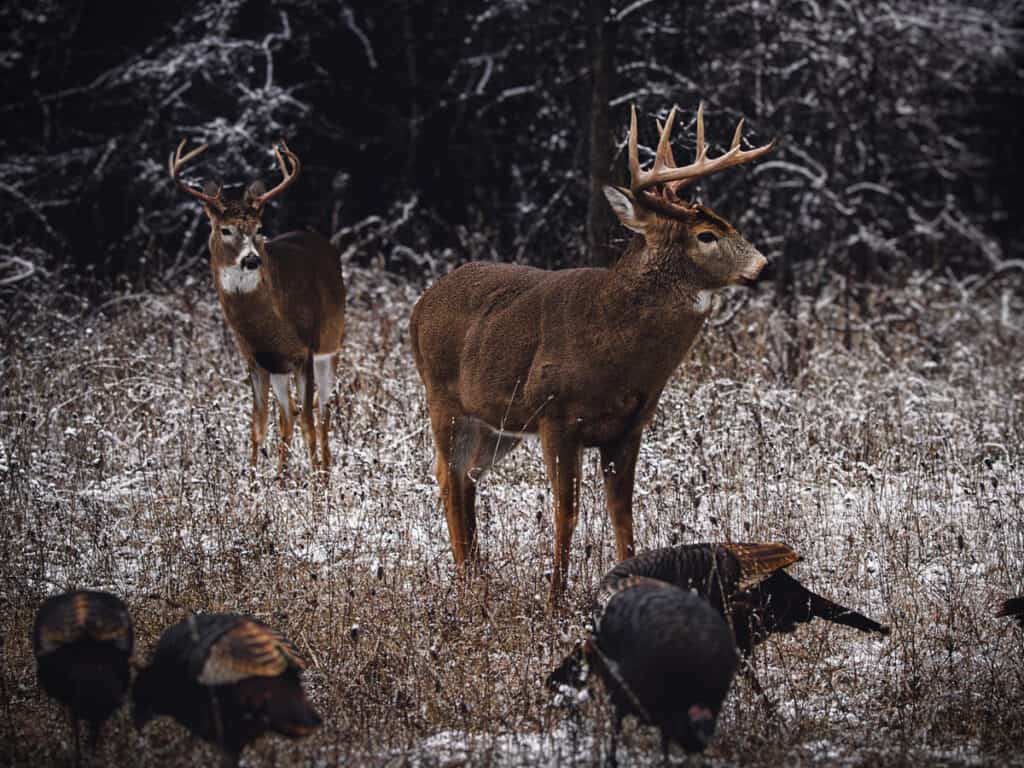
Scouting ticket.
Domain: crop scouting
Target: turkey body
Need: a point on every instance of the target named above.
(82, 643)
(747, 584)
(227, 678)
(665, 656)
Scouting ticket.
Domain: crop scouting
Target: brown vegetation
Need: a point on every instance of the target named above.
(885, 447)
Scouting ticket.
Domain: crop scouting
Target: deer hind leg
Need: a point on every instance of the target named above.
(281, 383)
(562, 456)
(618, 465)
(324, 372)
(305, 379)
(260, 380)
(458, 492)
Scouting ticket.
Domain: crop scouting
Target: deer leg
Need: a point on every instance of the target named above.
(458, 491)
(260, 380)
(306, 380)
(618, 465)
(285, 415)
(562, 455)
(324, 371)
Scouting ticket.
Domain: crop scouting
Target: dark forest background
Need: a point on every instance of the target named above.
(432, 133)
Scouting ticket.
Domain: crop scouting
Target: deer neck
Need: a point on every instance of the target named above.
(663, 278)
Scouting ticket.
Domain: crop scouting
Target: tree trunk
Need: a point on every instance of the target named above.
(600, 220)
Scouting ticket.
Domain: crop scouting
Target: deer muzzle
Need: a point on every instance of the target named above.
(757, 263)
(249, 258)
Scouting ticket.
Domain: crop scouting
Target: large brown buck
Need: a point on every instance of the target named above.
(283, 298)
(576, 356)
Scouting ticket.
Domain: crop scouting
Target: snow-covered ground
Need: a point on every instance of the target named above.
(892, 465)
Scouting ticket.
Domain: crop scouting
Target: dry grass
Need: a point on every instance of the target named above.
(893, 466)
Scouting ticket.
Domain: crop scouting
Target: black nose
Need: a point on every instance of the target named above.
(251, 261)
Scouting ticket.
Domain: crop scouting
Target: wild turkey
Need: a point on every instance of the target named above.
(228, 679)
(747, 583)
(665, 656)
(1014, 609)
(82, 642)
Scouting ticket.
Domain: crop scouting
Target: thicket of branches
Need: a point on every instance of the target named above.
(449, 131)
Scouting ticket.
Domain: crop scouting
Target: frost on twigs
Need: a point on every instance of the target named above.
(892, 465)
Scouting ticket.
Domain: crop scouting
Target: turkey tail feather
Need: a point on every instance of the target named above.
(758, 561)
(783, 589)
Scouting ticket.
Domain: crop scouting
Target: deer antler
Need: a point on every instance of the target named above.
(281, 151)
(664, 170)
(175, 163)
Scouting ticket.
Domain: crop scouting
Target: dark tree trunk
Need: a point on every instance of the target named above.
(600, 219)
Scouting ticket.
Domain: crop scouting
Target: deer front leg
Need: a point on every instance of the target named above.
(618, 465)
(458, 491)
(281, 382)
(562, 454)
(260, 380)
(305, 379)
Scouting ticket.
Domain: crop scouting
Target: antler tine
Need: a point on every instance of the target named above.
(738, 135)
(664, 153)
(176, 162)
(702, 148)
(282, 148)
(180, 161)
(634, 158)
(663, 157)
(664, 171)
(281, 151)
(669, 157)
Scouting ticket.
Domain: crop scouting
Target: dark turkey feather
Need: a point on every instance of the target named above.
(665, 656)
(82, 642)
(747, 584)
(228, 679)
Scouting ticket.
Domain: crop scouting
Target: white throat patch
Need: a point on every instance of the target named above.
(236, 279)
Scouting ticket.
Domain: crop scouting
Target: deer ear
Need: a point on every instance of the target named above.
(255, 190)
(625, 208)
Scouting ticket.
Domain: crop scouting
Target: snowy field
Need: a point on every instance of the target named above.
(883, 441)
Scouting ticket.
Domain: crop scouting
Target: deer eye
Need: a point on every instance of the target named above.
(225, 232)
(707, 237)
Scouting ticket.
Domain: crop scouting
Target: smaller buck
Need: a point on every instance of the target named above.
(284, 299)
(578, 356)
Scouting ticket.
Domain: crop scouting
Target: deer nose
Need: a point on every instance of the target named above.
(251, 261)
(754, 266)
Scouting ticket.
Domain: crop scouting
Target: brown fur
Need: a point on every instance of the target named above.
(297, 311)
(577, 356)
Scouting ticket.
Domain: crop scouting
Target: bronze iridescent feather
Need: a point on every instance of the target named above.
(759, 561)
(249, 649)
(81, 616)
